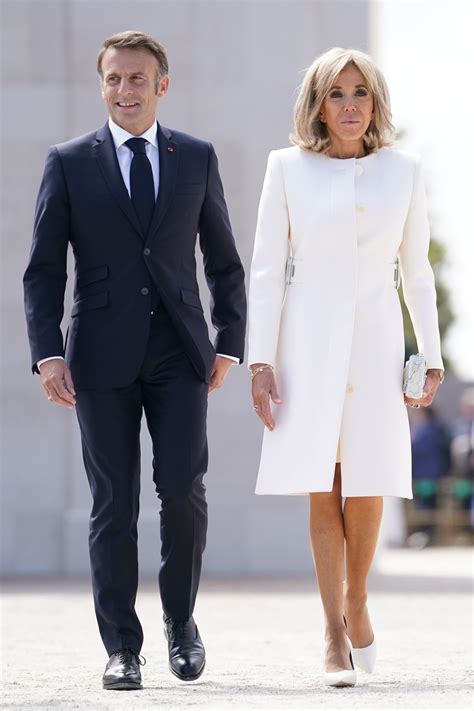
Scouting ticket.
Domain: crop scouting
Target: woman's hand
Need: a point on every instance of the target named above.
(431, 386)
(263, 388)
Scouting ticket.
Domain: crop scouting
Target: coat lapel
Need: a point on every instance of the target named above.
(104, 150)
(168, 153)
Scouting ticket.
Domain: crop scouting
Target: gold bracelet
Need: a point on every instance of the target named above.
(258, 370)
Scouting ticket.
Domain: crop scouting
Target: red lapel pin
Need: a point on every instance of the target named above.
(171, 150)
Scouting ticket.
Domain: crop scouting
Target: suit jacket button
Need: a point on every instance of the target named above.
(147, 252)
(144, 291)
(350, 389)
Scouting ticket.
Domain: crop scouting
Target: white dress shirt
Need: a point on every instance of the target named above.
(124, 157)
(125, 154)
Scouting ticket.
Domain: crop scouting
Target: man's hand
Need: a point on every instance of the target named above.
(263, 388)
(219, 372)
(57, 382)
(432, 383)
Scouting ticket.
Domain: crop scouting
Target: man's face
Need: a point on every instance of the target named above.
(130, 88)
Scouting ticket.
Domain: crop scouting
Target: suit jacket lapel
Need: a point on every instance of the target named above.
(104, 151)
(168, 156)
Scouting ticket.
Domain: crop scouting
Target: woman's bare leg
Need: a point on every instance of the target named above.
(327, 543)
(362, 517)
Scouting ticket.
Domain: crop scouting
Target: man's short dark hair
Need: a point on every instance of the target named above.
(132, 39)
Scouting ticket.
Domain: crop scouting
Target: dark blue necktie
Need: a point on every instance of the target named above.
(142, 188)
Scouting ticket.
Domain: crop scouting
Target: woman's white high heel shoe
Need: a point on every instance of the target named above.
(346, 677)
(364, 657)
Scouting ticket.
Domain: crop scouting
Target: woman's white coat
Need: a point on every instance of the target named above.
(335, 334)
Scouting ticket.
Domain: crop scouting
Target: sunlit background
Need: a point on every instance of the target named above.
(425, 51)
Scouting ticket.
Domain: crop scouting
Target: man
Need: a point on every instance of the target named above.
(130, 198)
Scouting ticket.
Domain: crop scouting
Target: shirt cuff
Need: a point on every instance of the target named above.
(223, 355)
(43, 360)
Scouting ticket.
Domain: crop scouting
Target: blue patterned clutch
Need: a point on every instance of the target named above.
(414, 376)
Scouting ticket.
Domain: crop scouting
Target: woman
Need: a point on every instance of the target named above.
(326, 332)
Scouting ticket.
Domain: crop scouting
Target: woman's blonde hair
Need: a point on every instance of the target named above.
(309, 131)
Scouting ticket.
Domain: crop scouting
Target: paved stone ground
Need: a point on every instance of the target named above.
(263, 640)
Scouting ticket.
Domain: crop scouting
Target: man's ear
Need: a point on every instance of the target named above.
(163, 86)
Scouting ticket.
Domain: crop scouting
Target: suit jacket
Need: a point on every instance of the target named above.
(83, 201)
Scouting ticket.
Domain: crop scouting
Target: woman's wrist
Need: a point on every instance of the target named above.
(438, 371)
(256, 368)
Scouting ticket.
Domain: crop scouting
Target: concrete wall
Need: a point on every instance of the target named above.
(234, 67)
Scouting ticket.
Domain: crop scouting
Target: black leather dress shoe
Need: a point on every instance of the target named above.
(185, 648)
(123, 670)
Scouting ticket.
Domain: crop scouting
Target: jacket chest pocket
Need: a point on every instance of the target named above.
(189, 188)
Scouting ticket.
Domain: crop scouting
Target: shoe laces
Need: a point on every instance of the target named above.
(181, 629)
(126, 653)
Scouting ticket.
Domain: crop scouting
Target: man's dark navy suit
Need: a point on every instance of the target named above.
(137, 341)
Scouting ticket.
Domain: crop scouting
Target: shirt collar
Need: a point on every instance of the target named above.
(120, 135)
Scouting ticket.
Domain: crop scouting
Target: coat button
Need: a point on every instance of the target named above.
(145, 291)
(358, 170)
(147, 252)
(360, 208)
(349, 389)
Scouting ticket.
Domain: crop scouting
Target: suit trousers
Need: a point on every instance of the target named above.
(174, 401)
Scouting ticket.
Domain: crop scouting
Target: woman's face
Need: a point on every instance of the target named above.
(348, 109)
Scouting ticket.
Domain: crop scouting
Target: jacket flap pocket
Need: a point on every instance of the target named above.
(191, 298)
(94, 301)
(89, 276)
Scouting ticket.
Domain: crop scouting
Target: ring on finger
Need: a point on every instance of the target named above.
(50, 398)
(256, 408)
